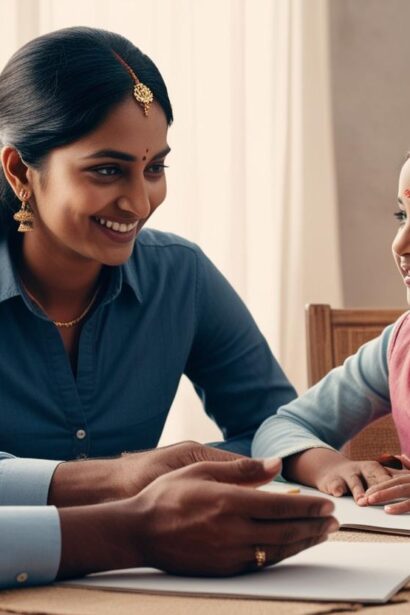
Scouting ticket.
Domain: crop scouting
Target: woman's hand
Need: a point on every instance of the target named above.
(334, 474)
(202, 519)
(397, 488)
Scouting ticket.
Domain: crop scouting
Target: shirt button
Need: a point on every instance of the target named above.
(22, 577)
(80, 433)
(82, 456)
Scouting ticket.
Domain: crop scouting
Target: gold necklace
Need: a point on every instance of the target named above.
(68, 323)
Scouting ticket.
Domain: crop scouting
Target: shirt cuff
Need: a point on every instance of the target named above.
(25, 482)
(30, 545)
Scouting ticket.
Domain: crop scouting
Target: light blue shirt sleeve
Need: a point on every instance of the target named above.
(335, 409)
(25, 482)
(30, 545)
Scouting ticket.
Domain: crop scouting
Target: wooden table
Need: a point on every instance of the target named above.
(55, 600)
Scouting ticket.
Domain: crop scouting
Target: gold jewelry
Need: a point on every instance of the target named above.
(68, 323)
(142, 93)
(25, 214)
(260, 557)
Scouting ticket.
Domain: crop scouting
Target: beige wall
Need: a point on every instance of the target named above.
(370, 61)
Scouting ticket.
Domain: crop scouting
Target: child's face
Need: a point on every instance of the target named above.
(401, 242)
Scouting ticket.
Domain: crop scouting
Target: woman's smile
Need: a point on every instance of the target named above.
(115, 230)
(120, 226)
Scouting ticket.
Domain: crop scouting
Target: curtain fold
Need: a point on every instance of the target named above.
(310, 269)
(252, 177)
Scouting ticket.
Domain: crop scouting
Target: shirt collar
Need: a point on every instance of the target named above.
(117, 277)
(130, 275)
(9, 286)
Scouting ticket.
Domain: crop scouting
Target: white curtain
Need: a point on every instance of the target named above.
(308, 259)
(251, 177)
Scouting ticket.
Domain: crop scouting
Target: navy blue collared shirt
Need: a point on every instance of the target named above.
(166, 312)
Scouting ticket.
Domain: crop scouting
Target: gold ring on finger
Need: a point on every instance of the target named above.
(260, 557)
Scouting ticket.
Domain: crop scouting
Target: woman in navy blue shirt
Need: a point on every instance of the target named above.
(99, 318)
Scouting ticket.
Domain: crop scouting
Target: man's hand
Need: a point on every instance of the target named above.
(139, 469)
(93, 481)
(202, 519)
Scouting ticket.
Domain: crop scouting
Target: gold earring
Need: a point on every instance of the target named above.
(25, 214)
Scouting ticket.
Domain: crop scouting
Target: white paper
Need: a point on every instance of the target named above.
(349, 514)
(333, 571)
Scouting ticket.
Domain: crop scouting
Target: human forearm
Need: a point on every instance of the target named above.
(80, 483)
(334, 410)
(308, 466)
(99, 537)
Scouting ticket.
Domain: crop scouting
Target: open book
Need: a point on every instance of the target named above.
(349, 514)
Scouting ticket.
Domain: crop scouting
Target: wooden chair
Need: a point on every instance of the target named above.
(333, 335)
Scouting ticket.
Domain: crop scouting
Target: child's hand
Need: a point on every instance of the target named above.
(333, 473)
(395, 463)
(397, 487)
(404, 460)
(394, 489)
(347, 476)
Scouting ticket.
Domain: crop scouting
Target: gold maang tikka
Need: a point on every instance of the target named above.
(142, 93)
(25, 214)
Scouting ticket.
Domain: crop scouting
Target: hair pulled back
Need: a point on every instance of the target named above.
(61, 86)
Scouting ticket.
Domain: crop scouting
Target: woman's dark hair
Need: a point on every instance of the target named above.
(61, 86)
